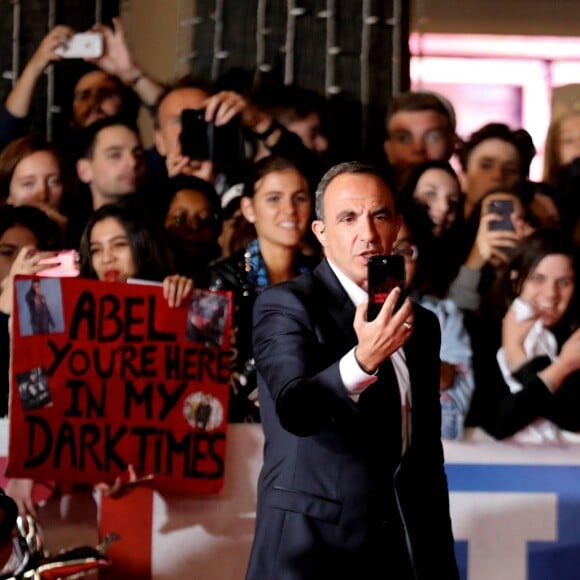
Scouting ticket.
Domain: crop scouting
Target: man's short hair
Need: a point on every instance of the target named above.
(188, 81)
(519, 138)
(353, 167)
(413, 101)
(289, 103)
(89, 134)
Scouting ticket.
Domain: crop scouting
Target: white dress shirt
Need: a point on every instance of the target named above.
(356, 380)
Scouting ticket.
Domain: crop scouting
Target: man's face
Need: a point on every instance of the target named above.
(359, 222)
(492, 164)
(310, 131)
(169, 117)
(190, 222)
(117, 166)
(415, 137)
(96, 96)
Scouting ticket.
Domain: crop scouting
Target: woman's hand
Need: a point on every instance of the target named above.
(45, 53)
(569, 356)
(25, 264)
(489, 245)
(514, 332)
(116, 59)
(447, 374)
(176, 289)
(567, 362)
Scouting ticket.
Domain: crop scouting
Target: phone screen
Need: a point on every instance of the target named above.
(503, 208)
(384, 274)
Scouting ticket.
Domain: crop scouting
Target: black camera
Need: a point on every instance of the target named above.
(204, 140)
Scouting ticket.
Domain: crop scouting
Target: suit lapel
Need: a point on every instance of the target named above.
(413, 357)
(335, 301)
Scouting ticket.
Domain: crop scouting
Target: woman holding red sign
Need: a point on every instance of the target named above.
(120, 241)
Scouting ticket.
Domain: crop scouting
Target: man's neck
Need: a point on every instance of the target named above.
(100, 199)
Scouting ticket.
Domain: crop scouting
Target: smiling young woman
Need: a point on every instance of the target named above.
(278, 204)
(527, 362)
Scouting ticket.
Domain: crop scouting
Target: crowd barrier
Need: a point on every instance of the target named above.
(515, 511)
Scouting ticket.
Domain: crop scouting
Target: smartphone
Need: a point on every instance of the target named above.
(82, 45)
(203, 140)
(226, 143)
(194, 134)
(68, 265)
(503, 208)
(384, 274)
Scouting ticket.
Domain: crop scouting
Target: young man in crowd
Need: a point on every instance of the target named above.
(420, 127)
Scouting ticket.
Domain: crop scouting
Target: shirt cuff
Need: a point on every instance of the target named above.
(354, 379)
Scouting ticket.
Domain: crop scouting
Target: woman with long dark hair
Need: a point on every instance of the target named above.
(528, 375)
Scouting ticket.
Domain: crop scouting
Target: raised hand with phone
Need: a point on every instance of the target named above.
(501, 225)
(116, 59)
(498, 223)
(33, 262)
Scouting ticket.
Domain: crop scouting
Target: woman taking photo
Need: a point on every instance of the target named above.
(528, 378)
(119, 242)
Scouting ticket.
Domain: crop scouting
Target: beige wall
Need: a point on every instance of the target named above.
(535, 17)
(157, 41)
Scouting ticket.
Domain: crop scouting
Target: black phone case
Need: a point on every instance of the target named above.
(385, 272)
(201, 140)
(194, 134)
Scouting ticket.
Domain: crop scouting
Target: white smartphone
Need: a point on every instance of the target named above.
(82, 45)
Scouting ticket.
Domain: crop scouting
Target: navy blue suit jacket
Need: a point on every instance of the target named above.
(334, 494)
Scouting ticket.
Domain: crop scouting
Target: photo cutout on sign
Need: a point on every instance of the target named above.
(206, 318)
(33, 389)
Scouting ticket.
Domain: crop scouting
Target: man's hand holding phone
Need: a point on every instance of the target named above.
(380, 338)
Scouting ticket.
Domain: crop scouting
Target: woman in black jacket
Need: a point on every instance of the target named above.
(278, 203)
(527, 363)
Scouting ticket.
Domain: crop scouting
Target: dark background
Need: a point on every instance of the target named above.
(344, 111)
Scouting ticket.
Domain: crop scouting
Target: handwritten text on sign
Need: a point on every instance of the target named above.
(129, 381)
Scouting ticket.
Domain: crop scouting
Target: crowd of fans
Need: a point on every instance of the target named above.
(224, 200)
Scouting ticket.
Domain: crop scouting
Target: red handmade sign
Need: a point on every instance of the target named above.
(104, 375)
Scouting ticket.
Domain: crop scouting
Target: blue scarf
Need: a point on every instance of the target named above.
(257, 274)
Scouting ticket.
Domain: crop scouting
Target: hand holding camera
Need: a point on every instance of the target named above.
(222, 144)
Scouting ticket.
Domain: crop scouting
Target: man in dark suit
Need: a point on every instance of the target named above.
(353, 484)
